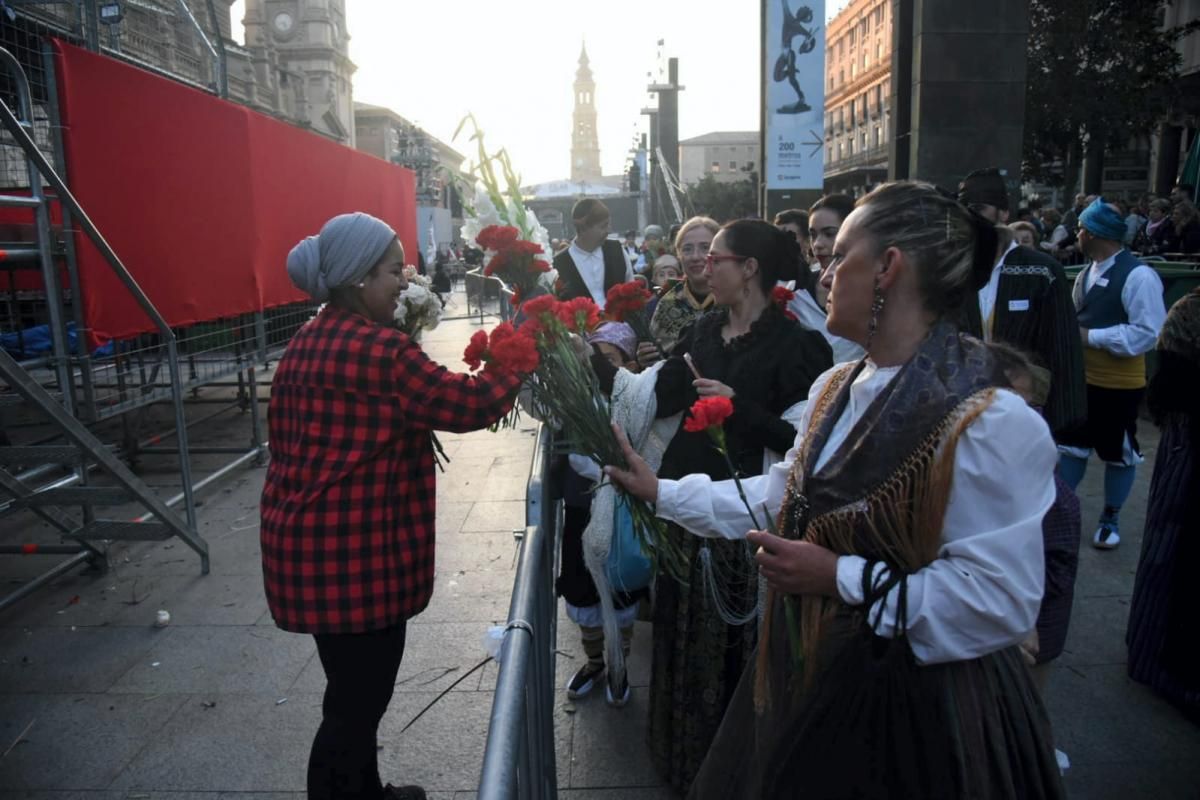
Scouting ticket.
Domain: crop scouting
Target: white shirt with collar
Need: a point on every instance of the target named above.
(591, 268)
(1142, 297)
(987, 295)
(983, 591)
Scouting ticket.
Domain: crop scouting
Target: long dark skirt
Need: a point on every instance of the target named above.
(697, 659)
(875, 724)
(1060, 541)
(1161, 636)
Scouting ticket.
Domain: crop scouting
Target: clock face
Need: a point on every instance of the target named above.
(284, 22)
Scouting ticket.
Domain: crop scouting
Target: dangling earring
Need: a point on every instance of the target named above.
(876, 309)
(362, 284)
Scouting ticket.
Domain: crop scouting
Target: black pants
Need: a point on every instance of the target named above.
(360, 674)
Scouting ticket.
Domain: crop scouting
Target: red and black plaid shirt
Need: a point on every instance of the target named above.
(348, 504)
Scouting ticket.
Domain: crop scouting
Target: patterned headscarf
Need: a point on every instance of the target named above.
(619, 334)
(342, 254)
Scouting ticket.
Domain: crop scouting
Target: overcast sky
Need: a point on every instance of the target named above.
(512, 64)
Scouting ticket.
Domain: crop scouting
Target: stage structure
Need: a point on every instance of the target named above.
(148, 275)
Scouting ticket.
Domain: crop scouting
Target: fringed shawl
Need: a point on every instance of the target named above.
(883, 493)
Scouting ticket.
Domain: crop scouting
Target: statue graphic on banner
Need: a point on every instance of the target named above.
(794, 25)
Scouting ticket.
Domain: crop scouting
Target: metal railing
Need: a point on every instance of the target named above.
(519, 758)
(480, 289)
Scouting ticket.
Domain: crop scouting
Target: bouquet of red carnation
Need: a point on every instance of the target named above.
(513, 259)
(782, 297)
(626, 302)
(565, 389)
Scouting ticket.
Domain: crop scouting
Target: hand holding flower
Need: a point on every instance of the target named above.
(706, 387)
(795, 567)
(638, 480)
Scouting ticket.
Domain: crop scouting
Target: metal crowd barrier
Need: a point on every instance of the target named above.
(518, 761)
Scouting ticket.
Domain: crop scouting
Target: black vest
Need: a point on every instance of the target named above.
(1101, 306)
(571, 283)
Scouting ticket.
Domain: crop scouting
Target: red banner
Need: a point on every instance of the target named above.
(199, 197)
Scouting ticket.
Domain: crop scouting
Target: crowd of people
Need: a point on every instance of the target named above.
(916, 390)
(1155, 227)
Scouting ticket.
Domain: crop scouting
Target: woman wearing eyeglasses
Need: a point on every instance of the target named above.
(682, 303)
(748, 350)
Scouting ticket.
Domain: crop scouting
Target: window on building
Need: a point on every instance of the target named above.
(733, 166)
(852, 37)
(851, 113)
(864, 141)
(853, 69)
(716, 166)
(850, 146)
(878, 135)
(841, 77)
(829, 153)
(749, 166)
(878, 49)
(831, 83)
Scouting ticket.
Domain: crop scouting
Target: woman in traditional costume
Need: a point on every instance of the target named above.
(747, 349)
(910, 563)
(1162, 627)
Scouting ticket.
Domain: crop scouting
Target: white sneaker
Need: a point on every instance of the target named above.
(1106, 537)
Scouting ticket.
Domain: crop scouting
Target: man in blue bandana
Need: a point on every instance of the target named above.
(1119, 302)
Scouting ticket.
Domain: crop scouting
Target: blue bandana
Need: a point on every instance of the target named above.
(1102, 221)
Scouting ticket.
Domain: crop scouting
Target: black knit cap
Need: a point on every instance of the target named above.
(984, 186)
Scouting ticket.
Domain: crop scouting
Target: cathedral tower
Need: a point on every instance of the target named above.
(585, 146)
(308, 41)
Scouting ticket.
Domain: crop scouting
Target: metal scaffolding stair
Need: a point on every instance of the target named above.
(69, 480)
(89, 533)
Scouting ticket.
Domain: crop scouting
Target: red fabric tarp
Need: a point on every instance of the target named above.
(201, 198)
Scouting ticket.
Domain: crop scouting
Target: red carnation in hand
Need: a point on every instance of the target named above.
(513, 353)
(708, 412)
(580, 315)
(625, 299)
(473, 355)
(539, 266)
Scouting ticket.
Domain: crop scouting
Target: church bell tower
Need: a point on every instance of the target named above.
(585, 146)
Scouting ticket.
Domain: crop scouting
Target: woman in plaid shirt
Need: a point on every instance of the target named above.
(348, 504)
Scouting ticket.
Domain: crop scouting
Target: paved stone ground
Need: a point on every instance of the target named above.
(221, 704)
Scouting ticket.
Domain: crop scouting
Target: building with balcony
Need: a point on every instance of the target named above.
(858, 71)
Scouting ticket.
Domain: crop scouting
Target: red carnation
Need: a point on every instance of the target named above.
(542, 305)
(625, 299)
(580, 315)
(539, 266)
(781, 296)
(525, 248)
(515, 300)
(708, 412)
(513, 353)
(473, 355)
(497, 237)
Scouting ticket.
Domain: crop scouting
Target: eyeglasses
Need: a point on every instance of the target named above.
(712, 258)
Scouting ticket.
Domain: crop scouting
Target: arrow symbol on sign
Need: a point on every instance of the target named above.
(816, 143)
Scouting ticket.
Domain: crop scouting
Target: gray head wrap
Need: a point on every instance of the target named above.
(340, 255)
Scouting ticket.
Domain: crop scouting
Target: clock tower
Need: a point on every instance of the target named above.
(308, 42)
(585, 144)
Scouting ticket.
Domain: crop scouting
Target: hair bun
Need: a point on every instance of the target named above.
(986, 241)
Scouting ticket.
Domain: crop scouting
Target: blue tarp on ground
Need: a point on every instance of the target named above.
(36, 341)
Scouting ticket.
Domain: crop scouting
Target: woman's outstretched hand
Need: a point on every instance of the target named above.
(794, 567)
(639, 480)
